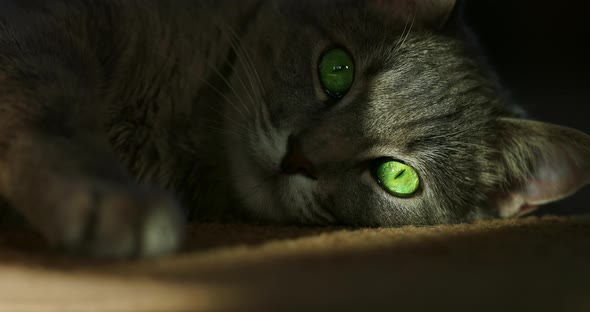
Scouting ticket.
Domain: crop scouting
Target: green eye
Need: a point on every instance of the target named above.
(336, 72)
(397, 178)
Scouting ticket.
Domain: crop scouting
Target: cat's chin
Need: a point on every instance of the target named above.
(253, 183)
(275, 197)
(297, 198)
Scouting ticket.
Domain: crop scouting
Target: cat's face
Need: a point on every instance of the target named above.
(359, 116)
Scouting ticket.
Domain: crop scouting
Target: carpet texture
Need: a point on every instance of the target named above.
(534, 264)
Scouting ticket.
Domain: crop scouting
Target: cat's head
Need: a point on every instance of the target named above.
(380, 113)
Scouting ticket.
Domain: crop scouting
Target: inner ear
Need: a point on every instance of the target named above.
(542, 163)
(430, 13)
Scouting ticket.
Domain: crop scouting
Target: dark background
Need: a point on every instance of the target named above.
(541, 51)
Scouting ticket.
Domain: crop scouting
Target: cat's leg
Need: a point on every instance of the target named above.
(59, 172)
(57, 167)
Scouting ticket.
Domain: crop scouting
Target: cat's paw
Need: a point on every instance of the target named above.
(113, 221)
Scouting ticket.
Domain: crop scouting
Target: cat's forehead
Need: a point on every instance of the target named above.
(423, 13)
(427, 87)
(411, 82)
(369, 27)
(427, 13)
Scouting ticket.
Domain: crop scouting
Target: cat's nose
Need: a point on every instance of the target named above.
(295, 161)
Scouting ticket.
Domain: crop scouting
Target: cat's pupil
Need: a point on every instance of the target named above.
(396, 178)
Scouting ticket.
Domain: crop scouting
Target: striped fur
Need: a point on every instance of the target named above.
(108, 107)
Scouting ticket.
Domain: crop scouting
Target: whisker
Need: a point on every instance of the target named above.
(228, 132)
(233, 90)
(233, 40)
(251, 72)
(405, 38)
(232, 120)
(397, 44)
(223, 95)
(247, 61)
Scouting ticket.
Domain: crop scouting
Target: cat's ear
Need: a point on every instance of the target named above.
(431, 13)
(543, 163)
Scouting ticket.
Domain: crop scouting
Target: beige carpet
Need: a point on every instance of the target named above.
(515, 265)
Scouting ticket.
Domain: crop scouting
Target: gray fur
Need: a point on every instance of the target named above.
(200, 98)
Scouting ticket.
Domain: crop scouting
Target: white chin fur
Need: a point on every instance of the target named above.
(257, 174)
(297, 196)
(267, 193)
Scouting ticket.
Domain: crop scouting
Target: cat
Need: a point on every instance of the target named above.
(121, 119)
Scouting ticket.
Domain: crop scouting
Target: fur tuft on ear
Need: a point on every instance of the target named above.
(425, 12)
(542, 162)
